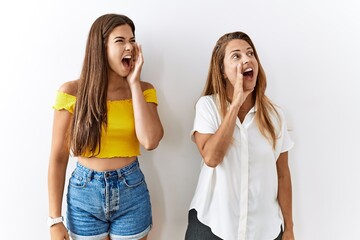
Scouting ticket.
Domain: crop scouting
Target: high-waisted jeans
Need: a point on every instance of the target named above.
(115, 203)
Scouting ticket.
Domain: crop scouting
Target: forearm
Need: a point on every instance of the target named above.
(285, 200)
(216, 146)
(56, 182)
(148, 127)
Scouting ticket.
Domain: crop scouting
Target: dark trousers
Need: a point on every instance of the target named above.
(199, 231)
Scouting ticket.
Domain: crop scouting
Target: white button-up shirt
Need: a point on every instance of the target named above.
(238, 198)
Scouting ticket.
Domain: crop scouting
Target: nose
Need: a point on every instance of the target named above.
(128, 47)
(245, 60)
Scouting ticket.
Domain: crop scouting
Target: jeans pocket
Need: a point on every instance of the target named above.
(134, 179)
(77, 181)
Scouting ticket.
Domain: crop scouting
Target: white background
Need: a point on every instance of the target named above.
(309, 49)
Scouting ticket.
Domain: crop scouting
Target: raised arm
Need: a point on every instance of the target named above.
(213, 147)
(148, 126)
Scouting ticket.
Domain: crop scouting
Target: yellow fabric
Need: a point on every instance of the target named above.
(119, 139)
(64, 101)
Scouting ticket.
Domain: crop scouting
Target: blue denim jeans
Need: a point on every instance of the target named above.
(115, 203)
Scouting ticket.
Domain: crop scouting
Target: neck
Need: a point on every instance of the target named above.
(247, 104)
(249, 101)
(116, 82)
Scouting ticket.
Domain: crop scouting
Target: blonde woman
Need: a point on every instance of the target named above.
(244, 187)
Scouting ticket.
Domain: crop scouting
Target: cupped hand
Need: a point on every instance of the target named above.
(240, 94)
(136, 66)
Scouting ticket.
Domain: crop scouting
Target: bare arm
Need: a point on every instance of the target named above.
(148, 126)
(213, 147)
(57, 171)
(285, 194)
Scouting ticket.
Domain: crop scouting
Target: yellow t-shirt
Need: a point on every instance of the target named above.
(119, 138)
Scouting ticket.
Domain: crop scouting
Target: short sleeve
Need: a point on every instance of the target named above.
(284, 142)
(287, 142)
(150, 95)
(206, 119)
(64, 101)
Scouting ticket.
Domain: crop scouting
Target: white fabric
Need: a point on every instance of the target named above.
(238, 198)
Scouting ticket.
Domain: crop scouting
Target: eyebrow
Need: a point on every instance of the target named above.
(238, 50)
(122, 38)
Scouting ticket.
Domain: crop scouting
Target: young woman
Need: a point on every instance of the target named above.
(102, 118)
(244, 188)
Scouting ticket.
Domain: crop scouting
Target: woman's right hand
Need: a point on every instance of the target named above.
(240, 95)
(59, 232)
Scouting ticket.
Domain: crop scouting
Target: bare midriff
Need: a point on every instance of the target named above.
(105, 164)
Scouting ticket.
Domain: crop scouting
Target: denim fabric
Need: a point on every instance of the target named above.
(115, 203)
(199, 231)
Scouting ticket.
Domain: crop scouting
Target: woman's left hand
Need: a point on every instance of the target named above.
(138, 61)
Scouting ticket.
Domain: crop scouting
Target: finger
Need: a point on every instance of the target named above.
(135, 52)
(239, 73)
(140, 53)
(239, 70)
(134, 55)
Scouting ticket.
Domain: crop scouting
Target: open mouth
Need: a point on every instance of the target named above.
(248, 73)
(126, 61)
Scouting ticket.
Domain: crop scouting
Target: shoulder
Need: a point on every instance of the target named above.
(146, 85)
(207, 100)
(70, 87)
(66, 96)
(278, 117)
(206, 105)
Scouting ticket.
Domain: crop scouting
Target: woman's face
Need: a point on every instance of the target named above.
(120, 50)
(239, 51)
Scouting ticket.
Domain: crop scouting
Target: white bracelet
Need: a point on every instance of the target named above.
(53, 221)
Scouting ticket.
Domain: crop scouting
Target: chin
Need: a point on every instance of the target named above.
(249, 86)
(124, 74)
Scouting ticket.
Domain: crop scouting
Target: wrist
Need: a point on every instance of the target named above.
(52, 221)
(135, 86)
(234, 107)
(288, 226)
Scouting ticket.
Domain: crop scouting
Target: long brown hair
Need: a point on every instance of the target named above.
(90, 113)
(216, 84)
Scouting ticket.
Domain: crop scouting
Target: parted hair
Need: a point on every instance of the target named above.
(90, 113)
(216, 85)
